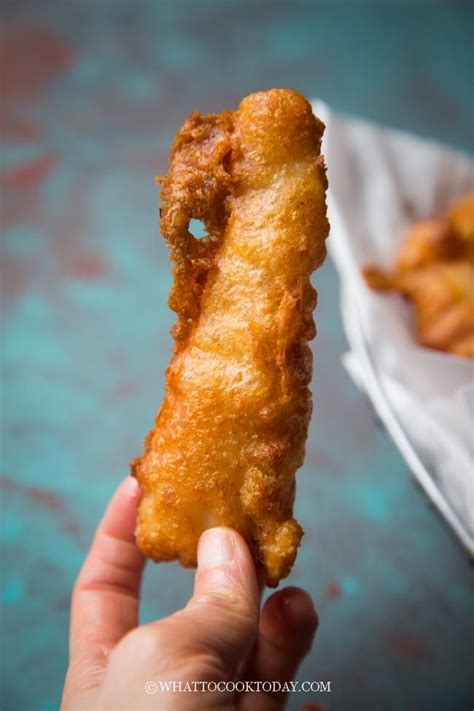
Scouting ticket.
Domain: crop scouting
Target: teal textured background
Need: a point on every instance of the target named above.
(91, 96)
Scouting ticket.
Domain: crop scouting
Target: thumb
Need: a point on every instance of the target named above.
(224, 609)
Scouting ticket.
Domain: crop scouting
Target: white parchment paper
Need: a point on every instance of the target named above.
(380, 182)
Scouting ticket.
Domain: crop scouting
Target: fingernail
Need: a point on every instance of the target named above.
(133, 488)
(298, 607)
(216, 547)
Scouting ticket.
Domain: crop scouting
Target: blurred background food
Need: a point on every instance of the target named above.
(91, 96)
(435, 271)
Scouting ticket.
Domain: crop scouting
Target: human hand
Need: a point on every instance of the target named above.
(219, 636)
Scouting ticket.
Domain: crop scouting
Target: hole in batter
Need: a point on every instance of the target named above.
(197, 229)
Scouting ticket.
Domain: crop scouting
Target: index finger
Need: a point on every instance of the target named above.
(105, 598)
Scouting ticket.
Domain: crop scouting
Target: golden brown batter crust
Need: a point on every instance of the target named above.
(232, 428)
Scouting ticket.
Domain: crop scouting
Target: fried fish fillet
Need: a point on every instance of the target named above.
(435, 271)
(231, 430)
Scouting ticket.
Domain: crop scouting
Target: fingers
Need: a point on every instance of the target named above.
(206, 641)
(224, 608)
(287, 626)
(105, 598)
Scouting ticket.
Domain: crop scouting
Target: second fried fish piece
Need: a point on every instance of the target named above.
(435, 271)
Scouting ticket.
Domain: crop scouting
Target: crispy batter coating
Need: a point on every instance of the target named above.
(231, 431)
(435, 271)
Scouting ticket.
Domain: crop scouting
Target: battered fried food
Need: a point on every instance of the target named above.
(231, 431)
(435, 271)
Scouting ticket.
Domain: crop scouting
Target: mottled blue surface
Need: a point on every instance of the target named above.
(91, 98)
